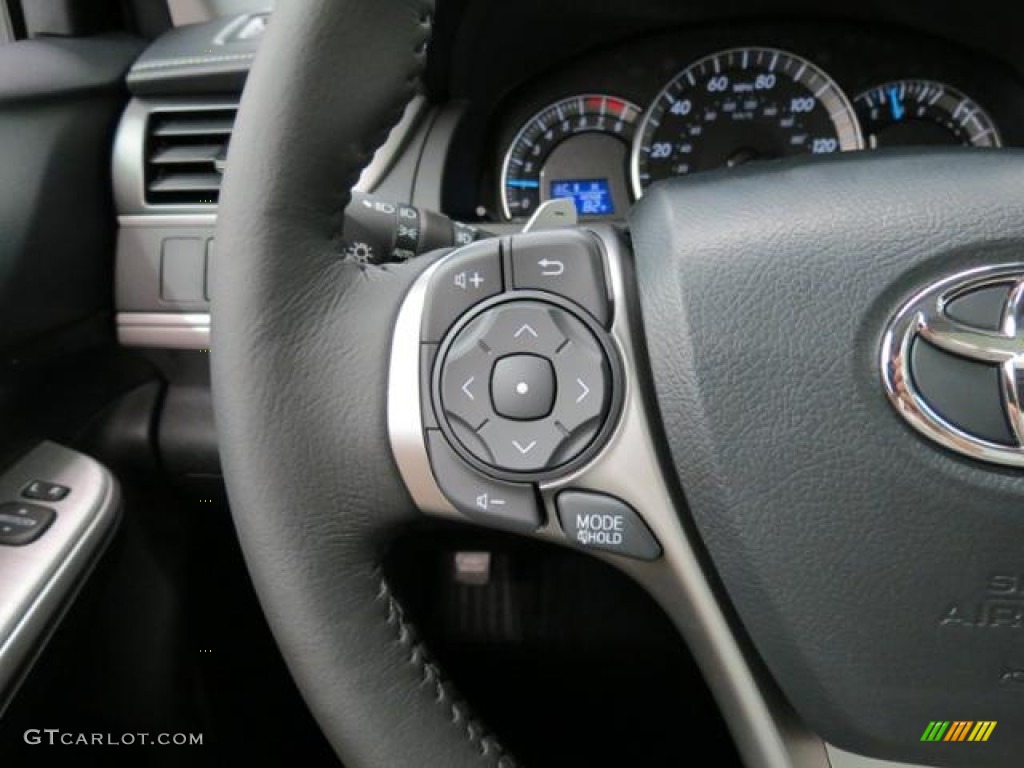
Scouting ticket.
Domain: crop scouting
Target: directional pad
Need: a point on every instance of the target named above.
(525, 387)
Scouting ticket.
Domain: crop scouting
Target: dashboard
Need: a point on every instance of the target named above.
(535, 99)
(601, 126)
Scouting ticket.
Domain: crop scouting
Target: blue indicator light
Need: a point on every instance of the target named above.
(593, 197)
(895, 105)
(523, 183)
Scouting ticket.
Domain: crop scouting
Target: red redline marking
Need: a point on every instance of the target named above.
(614, 107)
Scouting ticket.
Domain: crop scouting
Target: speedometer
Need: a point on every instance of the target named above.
(739, 106)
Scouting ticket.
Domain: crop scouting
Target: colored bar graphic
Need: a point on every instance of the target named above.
(982, 730)
(935, 730)
(958, 730)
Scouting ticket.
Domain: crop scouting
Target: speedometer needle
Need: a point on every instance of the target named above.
(895, 105)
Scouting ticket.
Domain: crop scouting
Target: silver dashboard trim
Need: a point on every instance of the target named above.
(161, 220)
(165, 330)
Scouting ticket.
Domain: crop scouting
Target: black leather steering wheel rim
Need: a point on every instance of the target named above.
(313, 536)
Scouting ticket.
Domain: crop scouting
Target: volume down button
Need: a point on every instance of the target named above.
(504, 505)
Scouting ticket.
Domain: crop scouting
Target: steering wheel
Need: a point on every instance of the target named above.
(798, 374)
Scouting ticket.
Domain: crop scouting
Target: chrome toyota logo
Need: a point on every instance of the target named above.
(953, 362)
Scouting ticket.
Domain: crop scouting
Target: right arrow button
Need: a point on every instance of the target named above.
(585, 390)
(583, 383)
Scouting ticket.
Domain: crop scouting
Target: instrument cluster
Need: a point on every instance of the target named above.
(646, 114)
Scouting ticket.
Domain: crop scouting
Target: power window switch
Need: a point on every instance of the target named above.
(40, 490)
(22, 524)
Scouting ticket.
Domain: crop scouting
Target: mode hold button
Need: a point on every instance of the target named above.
(565, 262)
(467, 277)
(596, 521)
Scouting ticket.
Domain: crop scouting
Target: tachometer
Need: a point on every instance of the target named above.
(576, 148)
(739, 106)
(910, 113)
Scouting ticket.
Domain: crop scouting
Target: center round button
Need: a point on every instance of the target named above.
(523, 387)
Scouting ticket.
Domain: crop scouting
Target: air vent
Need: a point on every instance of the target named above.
(185, 151)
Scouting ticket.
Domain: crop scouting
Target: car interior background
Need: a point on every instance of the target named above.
(115, 119)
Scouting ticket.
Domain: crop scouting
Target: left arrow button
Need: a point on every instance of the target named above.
(464, 380)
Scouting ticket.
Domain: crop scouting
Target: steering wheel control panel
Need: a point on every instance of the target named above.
(521, 384)
(523, 379)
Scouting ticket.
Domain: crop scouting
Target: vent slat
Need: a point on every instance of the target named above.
(185, 153)
(185, 182)
(194, 125)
